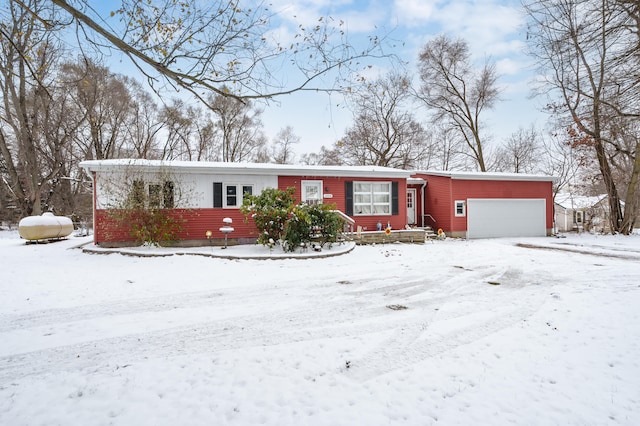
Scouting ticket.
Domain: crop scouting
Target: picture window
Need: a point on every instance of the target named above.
(371, 198)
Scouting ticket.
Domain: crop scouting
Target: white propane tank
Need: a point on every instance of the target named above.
(45, 227)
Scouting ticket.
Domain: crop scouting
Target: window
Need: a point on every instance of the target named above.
(460, 208)
(311, 191)
(230, 194)
(168, 195)
(161, 196)
(410, 194)
(372, 198)
(137, 194)
(155, 196)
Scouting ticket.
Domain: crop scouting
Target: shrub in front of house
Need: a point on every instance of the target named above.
(279, 219)
(144, 205)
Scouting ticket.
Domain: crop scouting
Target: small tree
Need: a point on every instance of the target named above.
(281, 220)
(143, 204)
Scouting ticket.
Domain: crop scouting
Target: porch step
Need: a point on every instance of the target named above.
(429, 232)
(414, 235)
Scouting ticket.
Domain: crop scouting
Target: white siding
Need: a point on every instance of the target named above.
(204, 185)
(193, 190)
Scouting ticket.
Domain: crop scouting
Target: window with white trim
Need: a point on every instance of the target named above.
(311, 191)
(153, 195)
(234, 194)
(460, 208)
(371, 198)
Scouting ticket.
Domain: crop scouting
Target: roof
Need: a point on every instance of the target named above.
(245, 168)
(416, 181)
(571, 201)
(488, 176)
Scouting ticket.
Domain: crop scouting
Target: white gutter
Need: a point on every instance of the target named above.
(489, 176)
(246, 168)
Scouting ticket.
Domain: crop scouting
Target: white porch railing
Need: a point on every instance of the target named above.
(347, 219)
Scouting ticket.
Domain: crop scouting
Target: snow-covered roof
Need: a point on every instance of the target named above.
(246, 168)
(572, 201)
(416, 181)
(488, 175)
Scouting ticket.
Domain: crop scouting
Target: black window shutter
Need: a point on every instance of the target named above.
(348, 198)
(217, 194)
(394, 198)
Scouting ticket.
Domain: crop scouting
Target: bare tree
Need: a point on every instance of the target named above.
(178, 127)
(385, 132)
(456, 92)
(282, 151)
(240, 127)
(189, 133)
(106, 100)
(143, 124)
(561, 160)
(448, 149)
(26, 63)
(56, 121)
(207, 136)
(520, 153)
(584, 49)
(202, 46)
(325, 157)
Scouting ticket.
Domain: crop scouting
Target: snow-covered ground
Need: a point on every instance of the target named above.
(545, 333)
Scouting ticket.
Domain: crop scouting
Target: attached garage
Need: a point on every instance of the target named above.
(495, 218)
(486, 205)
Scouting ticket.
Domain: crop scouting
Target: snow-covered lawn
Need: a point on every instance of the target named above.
(493, 333)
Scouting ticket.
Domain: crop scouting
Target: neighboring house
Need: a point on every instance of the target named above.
(471, 205)
(581, 213)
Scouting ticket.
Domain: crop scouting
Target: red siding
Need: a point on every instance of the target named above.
(442, 192)
(336, 187)
(197, 223)
(438, 202)
(330, 185)
(464, 189)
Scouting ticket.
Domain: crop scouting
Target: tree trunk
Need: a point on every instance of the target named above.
(632, 199)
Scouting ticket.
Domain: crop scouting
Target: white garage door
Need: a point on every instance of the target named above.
(491, 218)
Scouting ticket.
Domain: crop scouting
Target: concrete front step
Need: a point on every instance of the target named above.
(415, 235)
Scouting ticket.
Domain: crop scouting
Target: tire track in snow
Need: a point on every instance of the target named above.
(412, 343)
(328, 310)
(309, 321)
(166, 302)
(391, 357)
(228, 295)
